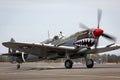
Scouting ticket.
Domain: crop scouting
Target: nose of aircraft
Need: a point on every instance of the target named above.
(97, 32)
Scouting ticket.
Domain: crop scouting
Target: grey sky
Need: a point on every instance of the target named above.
(30, 20)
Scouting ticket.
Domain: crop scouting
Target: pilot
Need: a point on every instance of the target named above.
(61, 35)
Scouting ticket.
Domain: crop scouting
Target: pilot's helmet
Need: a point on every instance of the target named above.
(56, 37)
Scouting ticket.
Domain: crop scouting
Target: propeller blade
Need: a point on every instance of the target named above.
(109, 37)
(99, 16)
(83, 26)
(96, 42)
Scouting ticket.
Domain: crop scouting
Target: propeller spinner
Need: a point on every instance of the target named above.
(97, 32)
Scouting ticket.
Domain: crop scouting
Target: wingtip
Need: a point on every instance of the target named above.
(5, 44)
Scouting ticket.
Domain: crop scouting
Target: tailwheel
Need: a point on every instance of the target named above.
(68, 64)
(89, 63)
(18, 66)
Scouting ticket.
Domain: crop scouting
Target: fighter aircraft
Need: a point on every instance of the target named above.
(77, 45)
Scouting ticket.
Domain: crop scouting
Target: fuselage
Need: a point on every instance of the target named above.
(80, 39)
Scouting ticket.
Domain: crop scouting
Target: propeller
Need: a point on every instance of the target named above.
(109, 37)
(97, 32)
(99, 17)
(84, 26)
(96, 42)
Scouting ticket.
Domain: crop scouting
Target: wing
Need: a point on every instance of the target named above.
(41, 49)
(37, 49)
(102, 49)
(84, 52)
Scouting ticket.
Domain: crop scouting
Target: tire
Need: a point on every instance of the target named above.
(18, 66)
(68, 64)
(89, 63)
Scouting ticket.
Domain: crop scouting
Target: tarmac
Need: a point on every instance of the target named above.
(56, 71)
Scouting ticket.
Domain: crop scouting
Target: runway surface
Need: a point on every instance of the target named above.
(56, 71)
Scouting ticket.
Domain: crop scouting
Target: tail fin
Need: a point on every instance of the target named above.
(11, 50)
(12, 40)
(15, 56)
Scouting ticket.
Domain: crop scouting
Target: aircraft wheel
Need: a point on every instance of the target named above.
(18, 66)
(68, 64)
(89, 63)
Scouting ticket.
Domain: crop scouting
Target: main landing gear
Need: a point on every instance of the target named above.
(69, 63)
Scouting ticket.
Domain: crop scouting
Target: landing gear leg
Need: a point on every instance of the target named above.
(68, 62)
(18, 66)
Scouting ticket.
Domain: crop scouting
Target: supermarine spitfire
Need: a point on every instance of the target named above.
(78, 45)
